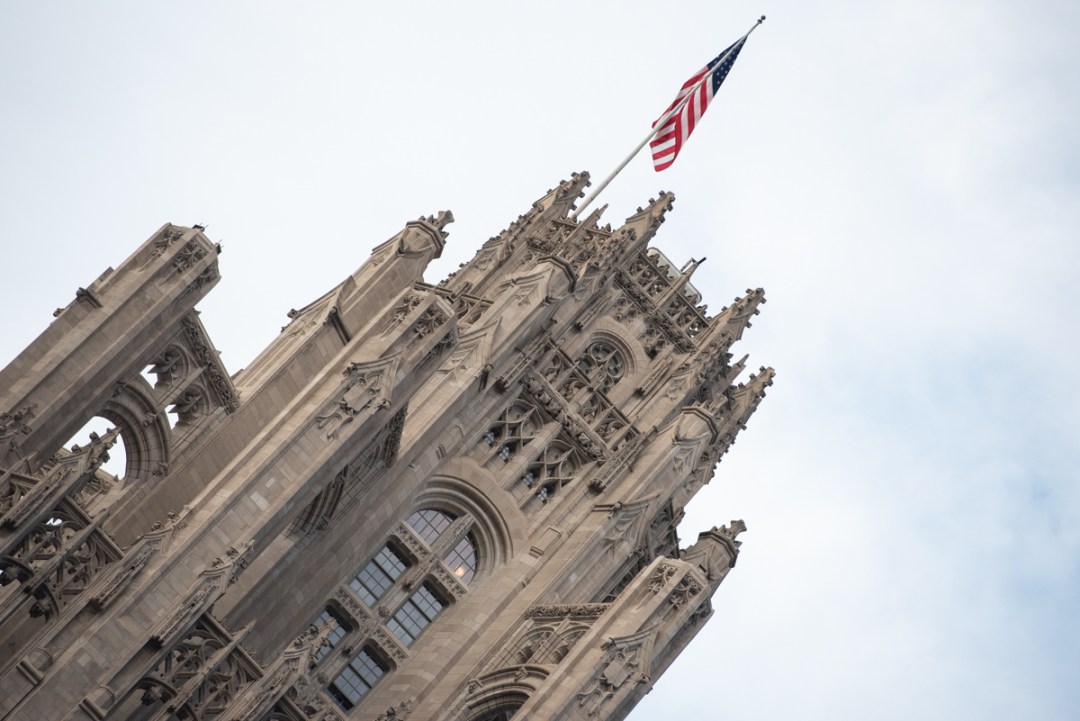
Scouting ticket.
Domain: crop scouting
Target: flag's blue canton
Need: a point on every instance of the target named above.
(720, 73)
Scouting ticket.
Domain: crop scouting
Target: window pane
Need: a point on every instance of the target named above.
(390, 562)
(369, 669)
(429, 524)
(398, 630)
(462, 560)
(373, 580)
(347, 688)
(428, 603)
(333, 638)
(415, 615)
(356, 679)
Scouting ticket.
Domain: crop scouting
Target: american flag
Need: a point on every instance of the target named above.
(670, 138)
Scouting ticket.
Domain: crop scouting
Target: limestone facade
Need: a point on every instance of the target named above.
(454, 502)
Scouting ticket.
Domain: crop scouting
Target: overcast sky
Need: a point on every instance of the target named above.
(900, 177)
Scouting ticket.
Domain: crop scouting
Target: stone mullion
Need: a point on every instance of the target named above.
(406, 583)
(450, 537)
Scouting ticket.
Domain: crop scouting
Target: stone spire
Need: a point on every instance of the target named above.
(647, 220)
(564, 196)
(733, 320)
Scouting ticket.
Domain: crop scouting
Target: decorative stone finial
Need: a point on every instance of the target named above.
(442, 219)
(733, 530)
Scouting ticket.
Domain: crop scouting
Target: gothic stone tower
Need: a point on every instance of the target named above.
(452, 502)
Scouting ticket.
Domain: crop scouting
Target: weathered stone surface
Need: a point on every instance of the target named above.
(419, 502)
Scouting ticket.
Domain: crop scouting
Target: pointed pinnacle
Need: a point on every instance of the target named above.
(565, 194)
(746, 397)
(593, 220)
(736, 318)
(646, 220)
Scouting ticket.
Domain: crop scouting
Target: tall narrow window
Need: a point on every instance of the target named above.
(373, 580)
(356, 679)
(333, 638)
(415, 615)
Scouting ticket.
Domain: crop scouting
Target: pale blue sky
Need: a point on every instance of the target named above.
(900, 177)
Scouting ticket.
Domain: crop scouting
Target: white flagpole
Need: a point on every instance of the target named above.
(661, 123)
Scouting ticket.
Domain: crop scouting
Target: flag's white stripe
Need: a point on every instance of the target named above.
(661, 147)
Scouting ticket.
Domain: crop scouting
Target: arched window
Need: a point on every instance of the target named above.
(430, 525)
(420, 570)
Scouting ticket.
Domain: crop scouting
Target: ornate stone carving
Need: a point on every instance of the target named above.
(451, 583)
(363, 390)
(351, 606)
(161, 244)
(216, 377)
(408, 303)
(189, 255)
(660, 577)
(396, 713)
(240, 559)
(550, 400)
(14, 489)
(528, 356)
(208, 276)
(428, 321)
(202, 673)
(628, 451)
(197, 600)
(14, 423)
(129, 569)
(562, 610)
(624, 665)
(465, 358)
(58, 559)
(685, 589)
(389, 643)
(628, 524)
(309, 698)
(732, 531)
(269, 690)
(211, 584)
